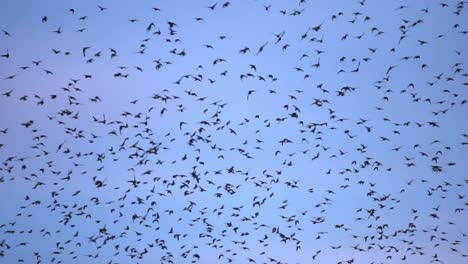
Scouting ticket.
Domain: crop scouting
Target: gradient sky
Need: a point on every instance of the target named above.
(334, 187)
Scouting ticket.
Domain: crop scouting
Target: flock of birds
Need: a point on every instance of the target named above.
(183, 134)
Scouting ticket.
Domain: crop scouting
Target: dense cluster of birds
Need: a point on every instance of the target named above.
(234, 132)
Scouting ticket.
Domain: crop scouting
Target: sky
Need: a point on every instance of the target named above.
(139, 132)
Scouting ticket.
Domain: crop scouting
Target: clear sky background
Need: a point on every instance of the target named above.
(371, 97)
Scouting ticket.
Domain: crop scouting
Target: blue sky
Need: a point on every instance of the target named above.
(299, 191)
